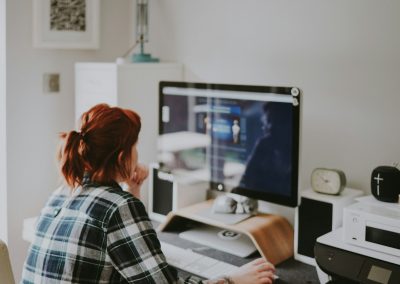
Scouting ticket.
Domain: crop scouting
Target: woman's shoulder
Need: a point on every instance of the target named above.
(112, 198)
(58, 196)
(114, 194)
(107, 194)
(98, 202)
(117, 204)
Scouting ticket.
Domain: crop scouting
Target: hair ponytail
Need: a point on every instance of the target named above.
(72, 164)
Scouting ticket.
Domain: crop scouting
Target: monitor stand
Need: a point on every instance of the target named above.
(221, 239)
(225, 218)
(272, 235)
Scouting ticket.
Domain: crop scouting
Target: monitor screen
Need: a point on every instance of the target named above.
(240, 139)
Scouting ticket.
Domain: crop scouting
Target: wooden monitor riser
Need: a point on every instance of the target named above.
(272, 235)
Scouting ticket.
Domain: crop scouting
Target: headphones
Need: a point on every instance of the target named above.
(232, 204)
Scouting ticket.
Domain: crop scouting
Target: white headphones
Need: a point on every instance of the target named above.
(231, 204)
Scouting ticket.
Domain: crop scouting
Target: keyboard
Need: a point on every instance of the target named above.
(195, 263)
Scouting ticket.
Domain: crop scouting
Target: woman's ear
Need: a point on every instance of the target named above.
(121, 159)
(125, 163)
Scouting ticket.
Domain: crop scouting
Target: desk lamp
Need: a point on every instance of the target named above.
(142, 32)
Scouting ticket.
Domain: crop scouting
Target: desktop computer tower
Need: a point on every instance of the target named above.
(168, 193)
(317, 215)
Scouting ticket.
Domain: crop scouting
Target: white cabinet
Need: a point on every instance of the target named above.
(133, 86)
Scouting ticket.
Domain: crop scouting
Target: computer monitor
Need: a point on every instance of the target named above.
(242, 139)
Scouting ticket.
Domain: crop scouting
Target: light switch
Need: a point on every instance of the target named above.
(51, 82)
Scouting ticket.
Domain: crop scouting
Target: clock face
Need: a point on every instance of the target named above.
(327, 181)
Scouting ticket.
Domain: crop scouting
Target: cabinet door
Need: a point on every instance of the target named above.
(94, 83)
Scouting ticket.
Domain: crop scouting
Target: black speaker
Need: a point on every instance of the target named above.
(317, 215)
(385, 183)
(169, 193)
(162, 192)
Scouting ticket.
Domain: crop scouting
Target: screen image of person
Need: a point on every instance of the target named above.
(269, 164)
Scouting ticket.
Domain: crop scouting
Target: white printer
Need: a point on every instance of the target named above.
(366, 249)
(344, 263)
(373, 224)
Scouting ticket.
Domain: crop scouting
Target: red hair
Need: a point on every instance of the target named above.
(102, 148)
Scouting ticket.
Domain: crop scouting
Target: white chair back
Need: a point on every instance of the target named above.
(6, 274)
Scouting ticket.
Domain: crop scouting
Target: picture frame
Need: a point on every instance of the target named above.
(66, 24)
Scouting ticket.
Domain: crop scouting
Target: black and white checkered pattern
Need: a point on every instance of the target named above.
(97, 234)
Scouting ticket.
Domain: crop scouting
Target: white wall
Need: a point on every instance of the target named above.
(344, 55)
(34, 119)
(3, 150)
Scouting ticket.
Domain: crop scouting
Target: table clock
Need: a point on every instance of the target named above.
(328, 181)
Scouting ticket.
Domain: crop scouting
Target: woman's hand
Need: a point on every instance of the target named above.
(258, 271)
(135, 182)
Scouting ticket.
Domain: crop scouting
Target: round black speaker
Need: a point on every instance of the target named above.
(385, 183)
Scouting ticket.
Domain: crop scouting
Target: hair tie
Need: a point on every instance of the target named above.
(81, 135)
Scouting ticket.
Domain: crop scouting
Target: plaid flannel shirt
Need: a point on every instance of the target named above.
(97, 234)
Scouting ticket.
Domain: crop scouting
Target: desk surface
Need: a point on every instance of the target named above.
(290, 271)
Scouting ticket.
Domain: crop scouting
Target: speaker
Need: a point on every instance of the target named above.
(385, 183)
(317, 215)
(169, 193)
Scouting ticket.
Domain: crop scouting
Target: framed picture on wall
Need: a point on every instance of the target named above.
(66, 24)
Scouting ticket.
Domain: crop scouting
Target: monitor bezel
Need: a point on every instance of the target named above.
(292, 199)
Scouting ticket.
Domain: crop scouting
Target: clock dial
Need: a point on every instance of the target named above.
(328, 181)
(333, 182)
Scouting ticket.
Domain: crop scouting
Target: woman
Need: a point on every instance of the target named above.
(91, 231)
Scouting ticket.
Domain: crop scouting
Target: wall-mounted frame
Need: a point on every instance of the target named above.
(66, 24)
